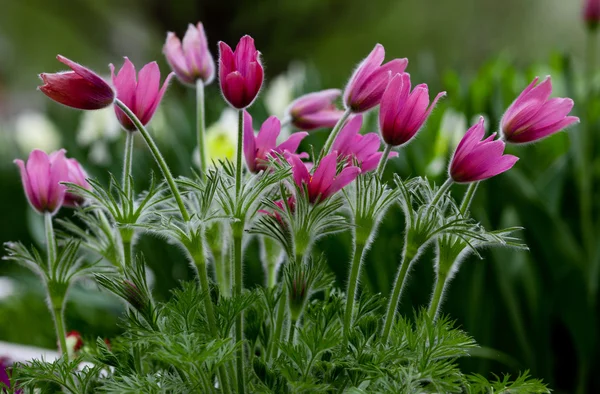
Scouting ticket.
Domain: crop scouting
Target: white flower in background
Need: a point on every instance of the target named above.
(452, 128)
(97, 129)
(33, 130)
(220, 138)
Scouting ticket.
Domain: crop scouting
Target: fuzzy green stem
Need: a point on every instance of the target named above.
(238, 159)
(157, 157)
(238, 231)
(127, 253)
(359, 252)
(468, 198)
(384, 160)
(201, 125)
(409, 256)
(59, 323)
(441, 191)
(336, 130)
(127, 164)
(272, 350)
(291, 332)
(50, 240)
(439, 288)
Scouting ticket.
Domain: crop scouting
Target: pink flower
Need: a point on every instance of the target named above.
(141, 96)
(41, 178)
(591, 13)
(476, 160)
(367, 84)
(315, 110)
(258, 149)
(193, 60)
(291, 204)
(78, 176)
(240, 73)
(534, 115)
(351, 145)
(402, 113)
(80, 88)
(325, 181)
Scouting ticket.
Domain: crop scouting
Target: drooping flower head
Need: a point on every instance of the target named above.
(402, 113)
(534, 115)
(240, 73)
(591, 13)
(190, 60)
(315, 110)
(325, 181)
(141, 94)
(476, 159)
(350, 144)
(80, 88)
(258, 148)
(367, 84)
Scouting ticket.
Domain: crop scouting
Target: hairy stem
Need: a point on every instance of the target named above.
(238, 231)
(273, 347)
(59, 324)
(238, 158)
(127, 165)
(157, 157)
(359, 252)
(384, 160)
(438, 293)
(50, 240)
(334, 133)
(468, 198)
(445, 186)
(201, 126)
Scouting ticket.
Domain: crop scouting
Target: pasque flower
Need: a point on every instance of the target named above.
(315, 110)
(291, 204)
(77, 175)
(362, 148)
(258, 149)
(240, 73)
(591, 13)
(367, 84)
(402, 113)
(190, 60)
(141, 95)
(476, 159)
(534, 115)
(80, 88)
(325, 181)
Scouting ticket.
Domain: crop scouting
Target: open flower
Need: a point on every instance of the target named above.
(402, 113)
(240, 73)
(141, 95)
(325, 180)
(534, 115)
(362, 148)
(80, 88)
(315, 110)
(192, 60)
(258, 149)
(367, 84)
(476, 160)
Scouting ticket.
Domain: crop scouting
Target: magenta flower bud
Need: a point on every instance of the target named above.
(240, 73)
(367, 84)
(350, 144)
(41, 178)
(534, 115)
(591, 13)
(291, 204)
(141, 96)
(80, 88)
(192, 60)
(258, 149)
(325, 181)
(78, 176)
(315, 110)
(402, 113)
(476, 160)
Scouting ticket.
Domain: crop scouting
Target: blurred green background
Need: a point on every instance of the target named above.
(533, 310)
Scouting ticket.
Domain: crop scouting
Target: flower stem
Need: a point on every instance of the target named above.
(334, 133)
(291, 332)
(359, 252)
(60, 329)
(50, 240)
(238, 231)
(409, 256)
(438, 294)
(127, 164)
(441, 191)
(238, 159)
(273, 347)
(201, 125)
(384, 160)
(157, 157)
(468, 198)
(127, 253)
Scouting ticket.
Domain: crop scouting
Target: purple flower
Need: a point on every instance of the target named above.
(402, 113)
(80, 88)
(351, 145)
(77, 175)
(325, 180)
(141, 95)
(367, 84)
(315, 110)
(534, 115)
(258, 149)
(192, 60)
(476, 160)
(240, 73)
(591, 13)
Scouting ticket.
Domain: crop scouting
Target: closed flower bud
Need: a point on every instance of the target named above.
(315, 110)
(591, 13)
(191, 61)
